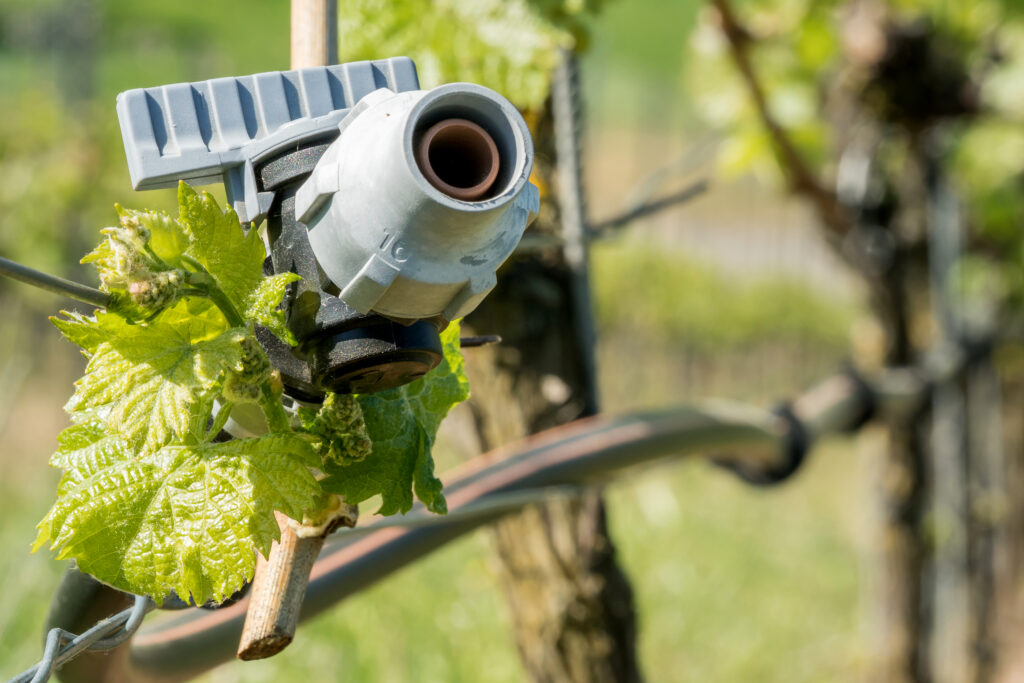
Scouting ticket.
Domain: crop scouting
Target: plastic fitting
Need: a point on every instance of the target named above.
(395, 205)
(419, 199)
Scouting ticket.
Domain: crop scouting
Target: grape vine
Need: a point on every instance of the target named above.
(149, 501)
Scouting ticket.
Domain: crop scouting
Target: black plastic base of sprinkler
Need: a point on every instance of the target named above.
(340, 349)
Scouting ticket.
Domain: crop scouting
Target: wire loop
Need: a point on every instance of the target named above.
(62, 646)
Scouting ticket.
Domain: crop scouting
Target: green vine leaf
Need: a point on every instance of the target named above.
(232, 256)
(141, 283)
(147, 502)
(89, 332)
(402, 424)
(183, 519)
(263, 305)
(157, 381)
(82, 447)
(167, 237)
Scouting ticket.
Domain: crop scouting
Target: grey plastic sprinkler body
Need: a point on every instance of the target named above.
(395, 205)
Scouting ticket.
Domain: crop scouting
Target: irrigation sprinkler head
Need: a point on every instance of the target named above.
(396, 205)
(454, 163)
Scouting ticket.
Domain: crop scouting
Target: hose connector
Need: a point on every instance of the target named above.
(420, 199)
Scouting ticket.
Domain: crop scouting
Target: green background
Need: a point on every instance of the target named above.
(733, 584)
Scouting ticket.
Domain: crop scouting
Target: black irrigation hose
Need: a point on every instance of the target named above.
(764, 445)
(559, 462)
(794, 447)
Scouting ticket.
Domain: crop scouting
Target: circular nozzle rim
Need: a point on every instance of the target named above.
(466, 132)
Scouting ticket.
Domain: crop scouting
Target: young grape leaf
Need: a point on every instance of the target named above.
(89, 332)
(183, 519)
(139, 263)
(167, 236)
(83, 448)
(402, 423)
(146, 503)
(157, 380)
(263, 305)
(233, 257)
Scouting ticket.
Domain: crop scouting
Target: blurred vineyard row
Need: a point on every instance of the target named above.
(733, 295)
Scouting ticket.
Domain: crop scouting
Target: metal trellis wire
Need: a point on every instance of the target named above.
(52, 283)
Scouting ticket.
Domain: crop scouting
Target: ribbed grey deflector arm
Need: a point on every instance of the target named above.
(216, 130)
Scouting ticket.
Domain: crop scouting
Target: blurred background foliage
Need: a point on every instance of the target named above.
(731, 296)
(961, 58)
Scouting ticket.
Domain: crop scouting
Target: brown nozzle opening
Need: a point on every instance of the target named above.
(459, 158)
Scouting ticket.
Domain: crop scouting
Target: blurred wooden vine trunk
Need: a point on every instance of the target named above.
(897, 299)
(950, 525)
(1008, 578)
(945, 471)
(571, 604)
